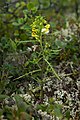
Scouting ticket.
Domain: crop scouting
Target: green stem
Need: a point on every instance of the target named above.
(26, 74)
(52, 69)
(41, 45)
(41, 92)
(43, 69)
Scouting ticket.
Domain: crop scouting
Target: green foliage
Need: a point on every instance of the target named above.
(57, 111)
(2, 97)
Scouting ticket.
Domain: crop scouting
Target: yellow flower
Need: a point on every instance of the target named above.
(47, 26)
(45, 30)
(34, 30)
(34, 35)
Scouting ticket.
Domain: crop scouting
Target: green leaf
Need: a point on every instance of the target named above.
(20, 21)
(24, 109)
(30, 5)
(55, 52)
(60, 44)
(25, 27)
(57, 110)
(41, 107)
(17, 4)
(15, 24)
(2, 97)
(26, 41)
(22, 106)
(1, 112)
(13, 44)
(68, 114)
